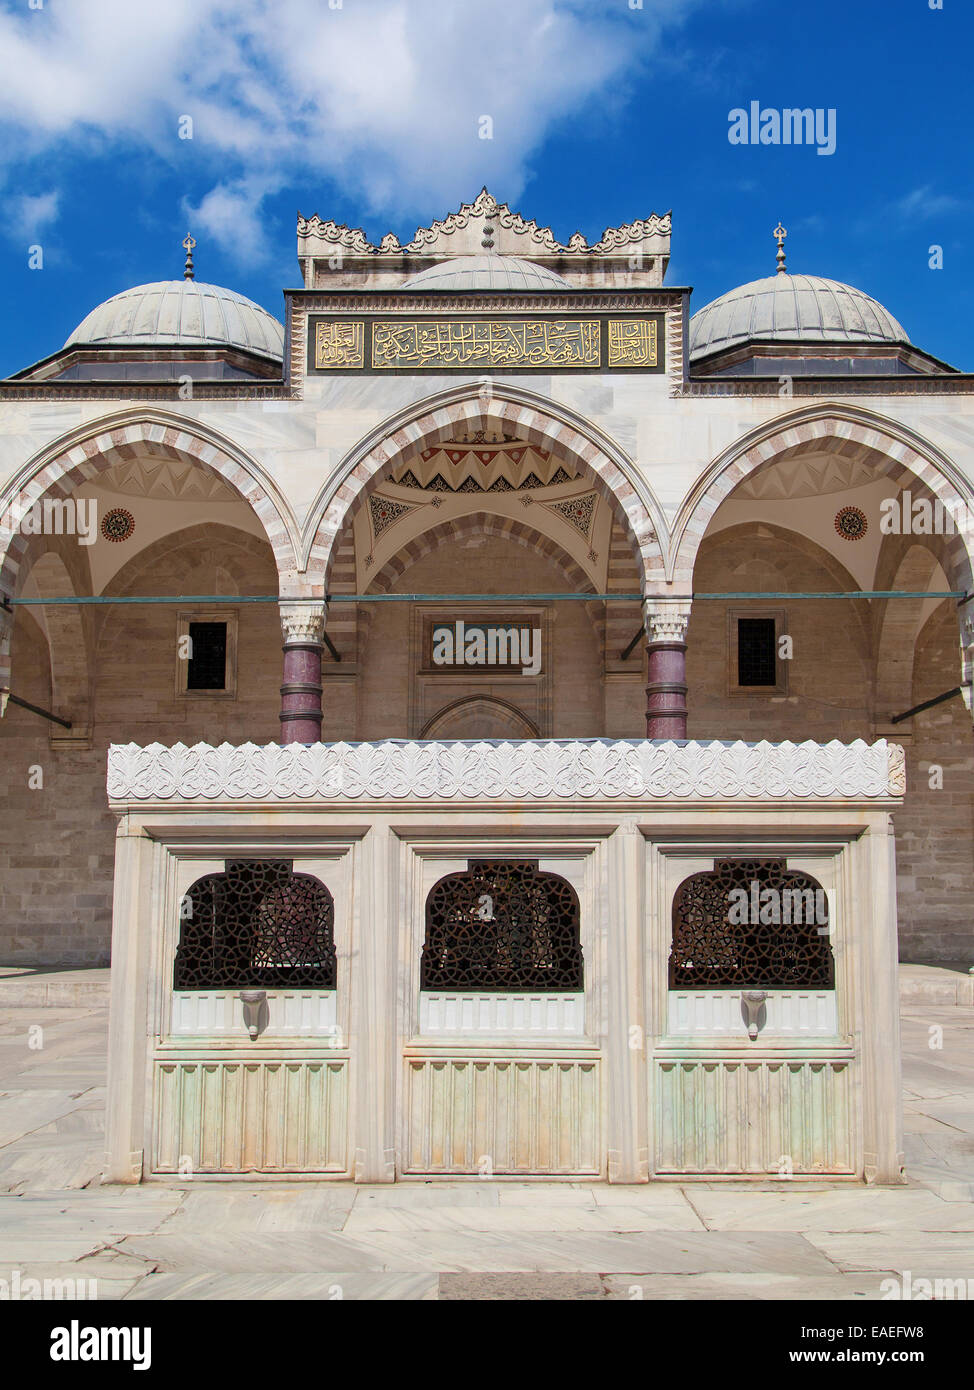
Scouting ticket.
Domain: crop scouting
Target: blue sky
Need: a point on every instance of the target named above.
(368, 111)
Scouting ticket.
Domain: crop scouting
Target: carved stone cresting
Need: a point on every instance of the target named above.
(303, 622)
(666, 620)
(524, 237)
(578, 770)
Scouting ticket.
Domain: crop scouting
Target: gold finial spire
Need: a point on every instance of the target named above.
(189, 242)
(780, 233)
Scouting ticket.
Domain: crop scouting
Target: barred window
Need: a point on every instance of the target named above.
(502, 925)
(207, 665)
(757, 653)
(752, 924)
(257, 925)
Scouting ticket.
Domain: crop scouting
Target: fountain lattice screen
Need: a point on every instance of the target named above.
(502, 925)
(256, 925)
(751, 923)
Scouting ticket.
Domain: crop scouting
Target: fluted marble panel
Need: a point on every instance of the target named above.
(274, 1116)
(499, 1115)
(780, 1118)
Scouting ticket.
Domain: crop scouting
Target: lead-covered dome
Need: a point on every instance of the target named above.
(788, 309)
(181, 314)
(487, 272)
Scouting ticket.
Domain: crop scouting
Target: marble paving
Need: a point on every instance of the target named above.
(472, 1240)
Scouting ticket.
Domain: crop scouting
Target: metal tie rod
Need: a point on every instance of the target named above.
(82, 600)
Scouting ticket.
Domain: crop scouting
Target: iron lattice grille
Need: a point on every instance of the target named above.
(502, 925)
(257, 925)
(782, 943)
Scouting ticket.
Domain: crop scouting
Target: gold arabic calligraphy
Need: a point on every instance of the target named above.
(486, 343)
(340, 345)
(632, 343)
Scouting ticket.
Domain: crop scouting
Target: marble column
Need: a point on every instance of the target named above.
(967, 654)
(303, 627)
(6, 636)
(666, 693)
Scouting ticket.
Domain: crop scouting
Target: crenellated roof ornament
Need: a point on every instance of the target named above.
(463, 232)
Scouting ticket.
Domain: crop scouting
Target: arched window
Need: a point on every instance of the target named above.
(751, 923)
(257, 925)
(502, 925)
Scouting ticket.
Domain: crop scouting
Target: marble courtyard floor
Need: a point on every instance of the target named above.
(472, 1240)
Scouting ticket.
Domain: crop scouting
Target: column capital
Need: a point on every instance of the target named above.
(303, 621)
(666, 619)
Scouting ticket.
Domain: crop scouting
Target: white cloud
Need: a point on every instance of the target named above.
(230, 214)
(25, 216)
(922, 203)
(385, 95)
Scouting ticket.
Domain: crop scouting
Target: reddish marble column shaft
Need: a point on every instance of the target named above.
(301, 693)
(666, 693)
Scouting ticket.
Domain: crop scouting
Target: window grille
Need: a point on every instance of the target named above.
(728, 931)
(502, 925)
(207, 666)
(257, 925)
(756, 652)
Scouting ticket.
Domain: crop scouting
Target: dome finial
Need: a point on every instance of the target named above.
(780, 233)
(189, 242)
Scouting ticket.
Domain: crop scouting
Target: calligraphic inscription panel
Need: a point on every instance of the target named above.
(485, 342)
(339, 344)
(633, 342)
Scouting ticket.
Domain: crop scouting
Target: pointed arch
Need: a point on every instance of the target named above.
(485, 524)
(75, 458)
(849, 431)
(480, 717)
(481, 524)
(489, 406)
(899, 625)
(68, 647)
(742, 535)
(80, 456)
(200, 537)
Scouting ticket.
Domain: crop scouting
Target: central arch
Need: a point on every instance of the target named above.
(487, 406)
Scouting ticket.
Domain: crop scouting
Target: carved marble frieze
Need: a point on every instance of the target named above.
(583, 770)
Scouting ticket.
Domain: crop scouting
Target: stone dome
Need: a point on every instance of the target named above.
(487, 272)
(181, 313)
(792, 308)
